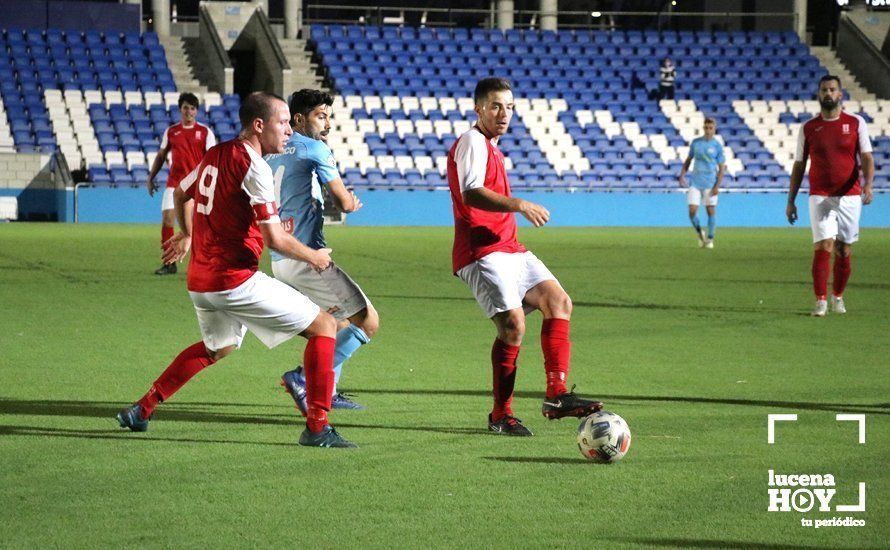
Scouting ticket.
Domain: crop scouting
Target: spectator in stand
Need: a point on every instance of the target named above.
(667, 76)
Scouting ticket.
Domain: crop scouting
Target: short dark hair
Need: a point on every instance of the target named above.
(711, 120)
(303, 101)
(257, 105)
(488, 85)
(830, 77)
(188, 97)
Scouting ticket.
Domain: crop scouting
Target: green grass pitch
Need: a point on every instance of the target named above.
(693, 347)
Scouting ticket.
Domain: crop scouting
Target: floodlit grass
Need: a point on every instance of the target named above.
(693, 347)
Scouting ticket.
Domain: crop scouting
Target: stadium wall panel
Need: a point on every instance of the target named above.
(100, 16)
(424, 208)
(29, 178)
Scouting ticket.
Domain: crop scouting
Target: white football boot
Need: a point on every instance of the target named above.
(821, 308)
(837, 305)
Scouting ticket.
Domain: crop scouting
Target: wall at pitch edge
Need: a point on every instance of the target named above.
(394, 208)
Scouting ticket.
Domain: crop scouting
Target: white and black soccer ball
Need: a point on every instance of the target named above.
(603, 437)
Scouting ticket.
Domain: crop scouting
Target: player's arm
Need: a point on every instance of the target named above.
(156, 166)
(344, 199)
(486, 199)
(797, 171)
(471, 161)
(866, 161)
(279, 240)
(177, 246)
(796, 179)
(868, 174)
(685, 169)
(721, 170)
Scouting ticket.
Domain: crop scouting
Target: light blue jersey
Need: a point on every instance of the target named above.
(707, 155)
(300, 171)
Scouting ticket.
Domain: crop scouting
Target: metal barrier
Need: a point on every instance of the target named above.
(590, 20)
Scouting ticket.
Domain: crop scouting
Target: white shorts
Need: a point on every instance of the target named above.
(501, 280)
(835, 217)
(272, 310)
(694, 196)
(167, 199)
(332, 289)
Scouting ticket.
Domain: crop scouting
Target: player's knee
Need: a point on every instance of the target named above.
(842, 250)
(559, 305)
(216, 355)
(325, 325)
(370, 322)
(513, 328)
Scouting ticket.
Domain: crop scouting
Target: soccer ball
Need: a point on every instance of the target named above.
(603, 437)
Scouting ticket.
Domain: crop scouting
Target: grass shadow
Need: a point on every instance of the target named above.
(711, 543)
(541, 460)
(123, 435)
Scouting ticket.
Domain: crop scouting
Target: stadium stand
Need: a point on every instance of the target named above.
(104, 99)
(580, 124)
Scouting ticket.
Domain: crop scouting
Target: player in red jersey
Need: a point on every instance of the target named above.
(840, 154)
(184, 145)
(506, 279)
(234, 215)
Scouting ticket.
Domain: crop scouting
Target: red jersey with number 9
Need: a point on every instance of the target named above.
(233, 190)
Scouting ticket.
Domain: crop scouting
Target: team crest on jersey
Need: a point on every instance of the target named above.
(845, 129)
(198, 134)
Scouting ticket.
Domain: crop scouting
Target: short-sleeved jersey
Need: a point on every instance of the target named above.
(300, 172)
(707, 156)
(233, 191)
(475, 162)
(834, 148)
(187, 147)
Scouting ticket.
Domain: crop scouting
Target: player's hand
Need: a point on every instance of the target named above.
(867, 195)
(682, 180)
(356, 203)
(534, 213)
(152, 187)
(791, 213)
(321, 259)
(715, 191)
(176, 248)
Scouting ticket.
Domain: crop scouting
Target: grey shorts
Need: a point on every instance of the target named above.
(332, 289)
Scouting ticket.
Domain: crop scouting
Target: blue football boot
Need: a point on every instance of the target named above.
(342, 401)
(132, 418)
(295, 383)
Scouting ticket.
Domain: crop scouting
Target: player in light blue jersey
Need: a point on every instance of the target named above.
(704, 181)
(306, 166)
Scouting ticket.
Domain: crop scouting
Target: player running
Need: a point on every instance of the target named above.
(838, 146)
(184, 145)
(235, 214)
(704, 182)
(506, 279)
(306, 166)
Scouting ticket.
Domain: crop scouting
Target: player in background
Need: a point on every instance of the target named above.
(839, 149)
(506, 279)
(704, 182)
(235, 214)
(306, 166)
(184, 145)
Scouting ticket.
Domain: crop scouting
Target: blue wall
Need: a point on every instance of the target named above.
(133, 205)
(43, 204)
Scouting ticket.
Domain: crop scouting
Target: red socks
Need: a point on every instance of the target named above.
(503, 368)
(821, 262)
(557, 353)
(187, 364)
(841, 274)
(318, 362)
(166, 233)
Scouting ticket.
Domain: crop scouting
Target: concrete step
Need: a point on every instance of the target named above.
(830, 61)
